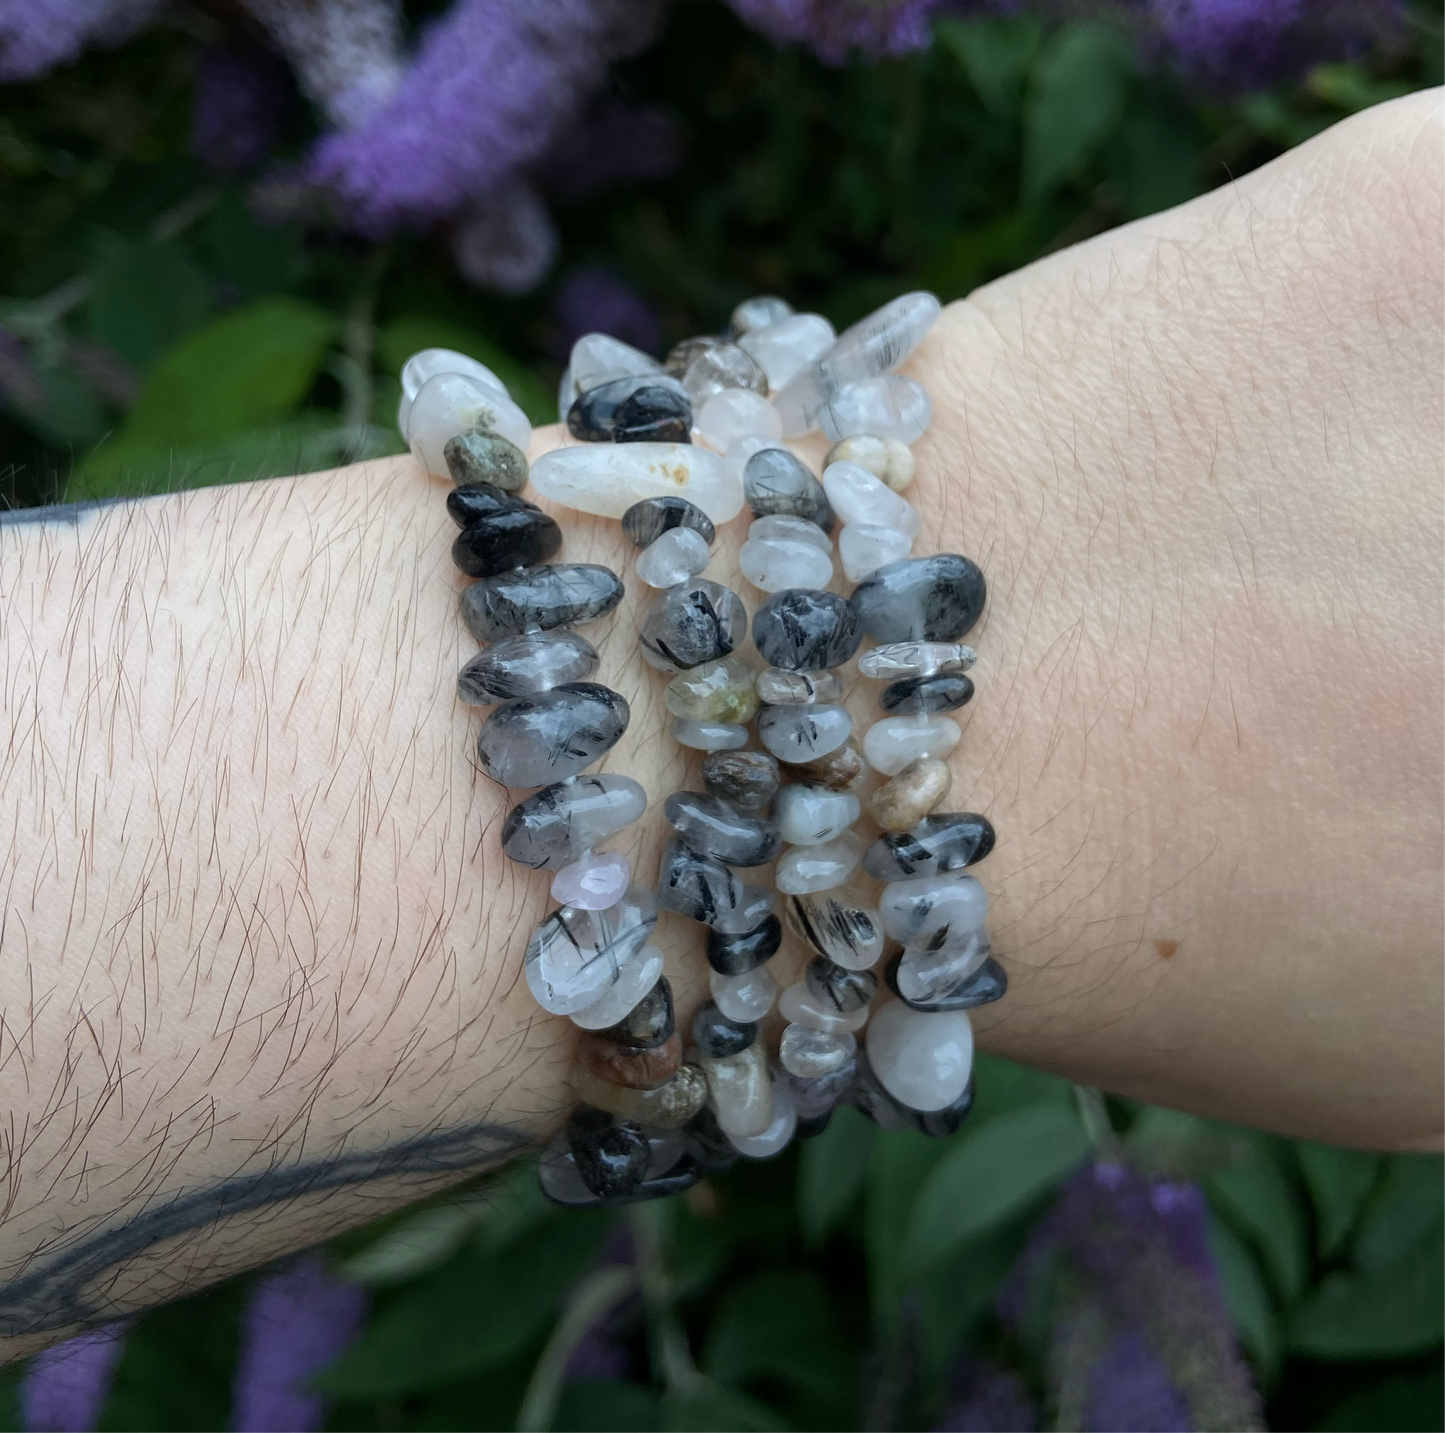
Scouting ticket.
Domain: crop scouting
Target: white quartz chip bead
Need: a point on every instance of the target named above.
(746, 997)
(896, 742)
(607, 478)
(634, 979)
(594, 882)
(789, 529)
(741, 449)
(796, 1004)
(786, 348)
(813, 815)
(431, 361)
(810, 1053)
(887, 407)
(709, 735)
(774, 564)
(934, 910)
(737, 413)
(598, 358)
(778, 1134)
(803, 869)
(922, 1058)
(450, 403)
(915, 659)
(883, 340)
(673, 557)
(857, 496)
(864, 547)
(799, 734)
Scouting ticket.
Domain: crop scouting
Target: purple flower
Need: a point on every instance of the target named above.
(833, 29)
(505, 240)
(1130, 1391)
(988, 1399)
(612, 143)
(298, 1319)
(595, 300)
(241, 94)
(65, 1386)
(36, 35)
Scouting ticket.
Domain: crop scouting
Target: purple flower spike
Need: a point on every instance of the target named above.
(1130, 1392)
(65, 1386)
(298, 1319)
(37, 35)
(833, 29)
(594, 300)
(988, 1399)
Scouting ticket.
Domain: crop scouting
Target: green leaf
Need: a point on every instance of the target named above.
(958, 1291)
(1002, 1086)
(1076, 100)
(595, 1405)
(1245, 1294)
(778, 1324)
(1404, 1404)
(1255, 1195)
(415, 1245)
(900, 1163)
(144, 297)
(402, 337)
(831, 1173)
(995, 54)
(989, 1175)
(1158, 160)
(1403, 1214)
(713, 1409)
(1338, 1180)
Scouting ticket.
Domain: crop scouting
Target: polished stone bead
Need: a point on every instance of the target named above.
(947, 979)
(811, 815)
(696, 885)
(798, 1005)
(780, 527)
(517, 536)
(574, 955)
(637, 1069)
(948, 841)
(988, 983)
(815, 1097)
(451, 403)
(858, 497)
(739, 1090)
(931, 599)
(798, 734)
(751, 909)
(774, 564)
(714, 828)
(563, 594)
(842, 770)
(867, 1095)
(612, 1155)
(887, 407)
(936, 911)
(716, 691)
(716, 1036)
(775, 482)
(758, 312)
(646, 521)
(675, 557)
(466, 504)
(897, 742)
(709, 735)
(477, 456)
(922, 1059)
(523, 665)
(648, 1022)
(837, 988)
(810, 1053)
(653, 414)
(608, 478)
(736, 413)
(715, 366)
(803, 869)
(634, 987)
(428, 362)
(682, 353)
(747, 780)
(554, 826)
(885, 458)
(670, 1106)
(748, 995)
(781, 688)
(865, 547)
(922, 696)
(551, 735)
(562, 1183)
(841, 923)
(777, 1136)
(801, 629)
(915, 659)
(788, 346)
(696, 622)
(736, 953)
(598, 358)
(594, 883)
(904, 800)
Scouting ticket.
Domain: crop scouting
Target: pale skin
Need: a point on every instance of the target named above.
(261, 952)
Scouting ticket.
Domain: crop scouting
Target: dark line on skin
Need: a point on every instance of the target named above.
(53, 1296)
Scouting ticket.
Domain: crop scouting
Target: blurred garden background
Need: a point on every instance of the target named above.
(223, 226)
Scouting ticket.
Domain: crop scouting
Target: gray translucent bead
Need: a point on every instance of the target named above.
(553, 735)
(718, 367)
(774, 481)
(835, 987)
(696, 622)
(799, 734)
(709, 735)
(519, 666)
(810, 815)
(939, 978)
(758, 312)
(887, 407)
(751, 906)
(802, 629)
(747, 780)
(554, 826)
(810, 1053)
(674, 557)
(713, 828)
(780, 688)
(575, 955)
(881, 341)
(815, 1096)
(945, 841)
(937, 911)
(695, 885)
(790, 529)
(929, 599)
(644, 522)
(599, 358)
(803, 869)
(896, 660)
(841, 923)
(559, 594)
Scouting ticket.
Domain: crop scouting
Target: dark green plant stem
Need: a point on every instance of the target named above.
(667, 1340)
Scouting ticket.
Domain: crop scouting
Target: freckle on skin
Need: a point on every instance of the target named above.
(1166, 948)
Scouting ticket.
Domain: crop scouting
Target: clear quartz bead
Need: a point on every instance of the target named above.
(812, 815)
(737, 413)
(896, 742)
(431, 361)
(718, 367)
(926, 974)
(857, 496)
(915, 659)
(574, 955)
(758, 312)
(885, 458)
(634, 980)
(840, 923)
(450, 403)
(709, 735)
(748, 996)
(780, 688)
(937, 911)
(782, 528)
(779, 1133)
(554, 826)
(774, 564)
(883, 340)
(798, 1005)
(740, 1091)
(741, 449)
(810, 1053)
(886, 407)
(864, 547)
(593, 883)
(720, 691)
(803, 869)
(800, 734)
(608, 478)
(785, 348)
(598, 358)
(922, 1059)
(676, 555)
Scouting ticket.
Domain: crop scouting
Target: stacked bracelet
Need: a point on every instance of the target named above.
(650, 1123)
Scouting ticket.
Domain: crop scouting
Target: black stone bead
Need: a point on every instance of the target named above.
(810, 1127)
(611, 1154)
(593, 415)
(648, 1024)
(987, 984)
(479, 456)
(644, 522)
(921, 696)
(774, 481)
(695, 885)
(804, 630)
(501, 541)
(717, 1037)
(561, 594)
(747, 780)
(653, 415)
(738, 954)
(692, 623)
(562, 1183)
(835, 987)
(714, 828)
(710, 1149)
(945, 841)
(470, 501)
(921, 599)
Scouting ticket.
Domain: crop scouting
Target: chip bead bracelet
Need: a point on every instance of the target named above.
(659, 1110)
